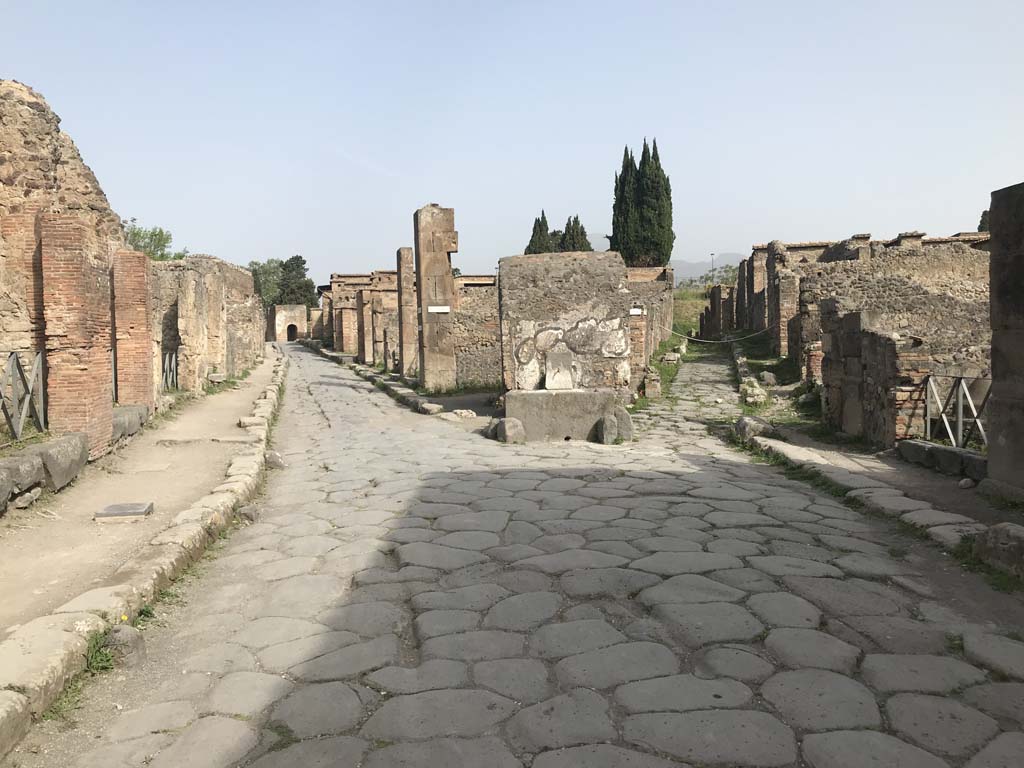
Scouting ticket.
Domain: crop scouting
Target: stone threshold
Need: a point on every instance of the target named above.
(40, 657)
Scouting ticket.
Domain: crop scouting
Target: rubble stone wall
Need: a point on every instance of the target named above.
(475, 335)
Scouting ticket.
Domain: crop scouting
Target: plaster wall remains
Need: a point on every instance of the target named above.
(288, 316)
(565, 306)
(1006, 404)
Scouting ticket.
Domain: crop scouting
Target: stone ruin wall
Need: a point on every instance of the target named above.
(575, 303)
(344, 291)
(651, 315)
(475, 326)
(280, 316)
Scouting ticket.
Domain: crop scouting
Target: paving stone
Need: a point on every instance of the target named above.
(607, 582)
(523, 611)
(1001, 700)
(518, 532)
(522, 680)
(512, 552)
(571, 559)
(493, 521)
(436, 623)
(211, 742)
(319, 710)
(155, 718)
(820, 700)
(703, 623)
(781, 609)
(431, 555)
(524, 581)
(673, 543)
(780, 565)
(918, 673)
(437, 713)
(857, 749)
(349, 661)
(681, 693)
(938, 724)
(478, 597)
(487, 752)
(689, 588)
(998, 653)
(319, 753)
(474, 646)
(842, 597)
(577, 717)
(284, 656)
(616, 664)
(809, 648)
(801, 551)
(428, 676)
(729, 737)
(898, 634)
(299, 597)
(673, 563)
(475, 540)
(600, 756)
(870, 566)
(220, 658)
(1004, 752)
(246, 694)
(734, 547)
(554, 641)
(276, 629)
(747, 579)
(126, 754)
(581, 612)
(735, 662)
(722, 519)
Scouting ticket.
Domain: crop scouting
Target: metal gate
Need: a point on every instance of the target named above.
(24, 394)
(956, 414)
(169, 372)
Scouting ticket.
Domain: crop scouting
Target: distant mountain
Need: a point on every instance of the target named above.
(685, 270)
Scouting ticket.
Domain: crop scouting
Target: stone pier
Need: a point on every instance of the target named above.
(436, 239)
(408, 323)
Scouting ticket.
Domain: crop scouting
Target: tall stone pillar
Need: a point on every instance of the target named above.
(757, 275)
(1005, 410)
(435, 240)
(364, 332)
(408, 322)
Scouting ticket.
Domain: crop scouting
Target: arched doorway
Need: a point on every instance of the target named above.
(293, 332)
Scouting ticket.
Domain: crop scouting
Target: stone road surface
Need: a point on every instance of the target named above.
(416, 596)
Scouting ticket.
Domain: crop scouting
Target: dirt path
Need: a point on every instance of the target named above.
(172, 466)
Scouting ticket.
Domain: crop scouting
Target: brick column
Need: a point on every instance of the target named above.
(435, 240)
(757, 274)
(1005, 410)
(408, 322)
(77, 300)
(133, 336)
(742, 310)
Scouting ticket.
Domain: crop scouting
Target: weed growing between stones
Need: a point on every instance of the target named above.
(98, 659)
(1000, 581)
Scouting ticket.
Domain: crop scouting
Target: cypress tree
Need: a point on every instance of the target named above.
(666, 236)
(624, 212)
(575, 236)
(642, 210)
(540, 239)
(983, 222)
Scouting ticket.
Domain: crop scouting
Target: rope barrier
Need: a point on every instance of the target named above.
(722, 341)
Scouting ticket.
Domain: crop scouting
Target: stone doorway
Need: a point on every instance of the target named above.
(293, 332)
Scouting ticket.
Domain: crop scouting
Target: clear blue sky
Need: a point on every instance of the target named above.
(257, 129)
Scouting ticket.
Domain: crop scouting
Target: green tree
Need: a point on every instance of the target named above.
(983, 223)
(642, 210)
(540, 238)
(155, 242)
(295, 286)
(266, 278)
(574, 238)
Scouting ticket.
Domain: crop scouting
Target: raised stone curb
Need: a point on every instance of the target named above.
(40, 657)
(945, 529)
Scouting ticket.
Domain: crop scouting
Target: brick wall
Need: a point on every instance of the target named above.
(133, 334)
(77, 309)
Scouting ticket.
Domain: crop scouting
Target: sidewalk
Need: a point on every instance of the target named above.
(53, 551)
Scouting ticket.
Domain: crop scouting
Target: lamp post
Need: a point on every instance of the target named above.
(713, 277)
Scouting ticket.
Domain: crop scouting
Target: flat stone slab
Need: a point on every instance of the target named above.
(781, 609)
(729, 737)
(246, 694)
(476, 597)
(428, 676)
(998, 653)
(674, 563)
(432, 555)
(918, 673)
(737, 662)
(474, 646)
(703, 623)
(1004, 752)
(349, 661)
(437, 623)
(570, 560)
(681, 693)
(899, 634)
(690, 588)
(554, 641)
(522, 680)
(320, 710)
(939, 724)
(124, 512)
(810, 648)
(437, 713)
(781, 565)
(340, 750)
(166, 716)
(488, 752)
(841, 597)
(525, 611)
(577, 717)
(820, 700)
(209, 743)
(600, 756)
(1003, 700)
(856, 749)
(617, 664)
(606, 582)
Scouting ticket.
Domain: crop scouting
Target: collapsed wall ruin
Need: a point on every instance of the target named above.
(101, 317)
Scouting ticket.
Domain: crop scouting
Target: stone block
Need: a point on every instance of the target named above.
(975, 465)
(607, 429)
(127, 420)
(558, 370)
(747, 427)
(510, 430)
(125, 512)
(948, 460)
(25, 471)
(548, 415)
(63, 458)
(624, 422)
(15, 720)
(916, 452)
(1002, 546)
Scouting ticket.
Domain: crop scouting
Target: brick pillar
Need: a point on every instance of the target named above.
(435, 240)
(77, 300)
(740, 297)
(364, 326)
(133, 337)
(1005, 417)
(408, 322)
(757, 274)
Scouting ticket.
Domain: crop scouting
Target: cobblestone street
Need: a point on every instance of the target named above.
(415, 596)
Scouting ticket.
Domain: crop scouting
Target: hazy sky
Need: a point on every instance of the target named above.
(261, 129)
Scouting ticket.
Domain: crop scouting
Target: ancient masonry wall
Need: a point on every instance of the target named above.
(435, 240)
(475, 333)
(571, 305)
(133, 334)
(316, 323)
(651, 315)
(1006, 404)
(283, 315)
(346, 312)
(408, 319)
